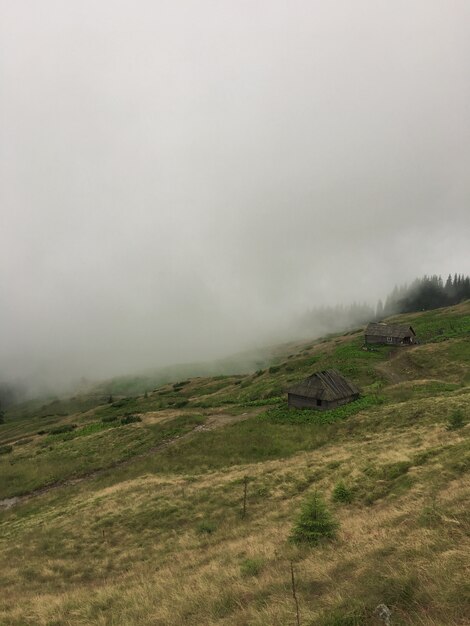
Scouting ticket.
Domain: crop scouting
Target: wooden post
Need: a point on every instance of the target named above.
(245, 483)
(294, 595)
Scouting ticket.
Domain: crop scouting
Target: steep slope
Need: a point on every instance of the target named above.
(154, 532)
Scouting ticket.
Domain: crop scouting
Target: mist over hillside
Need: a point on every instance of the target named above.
(170, 195)
(426, 293)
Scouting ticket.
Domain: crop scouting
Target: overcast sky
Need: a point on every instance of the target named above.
(179, 177)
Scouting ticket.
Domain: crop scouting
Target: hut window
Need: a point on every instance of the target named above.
(318, 402)
(389, 340)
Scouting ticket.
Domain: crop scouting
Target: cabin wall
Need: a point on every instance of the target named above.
(301, 402)
(395, 341)
(375, 339)
(336, 403)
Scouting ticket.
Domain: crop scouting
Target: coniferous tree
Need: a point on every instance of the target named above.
(428, 292)
(315, 522)
(448, 285)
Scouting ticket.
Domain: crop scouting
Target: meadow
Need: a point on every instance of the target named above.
(132, 511)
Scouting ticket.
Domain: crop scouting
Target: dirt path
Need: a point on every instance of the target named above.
(215, 420)
(387, 367)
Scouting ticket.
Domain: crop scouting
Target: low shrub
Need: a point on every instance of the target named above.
(455, 421)
(180, 404)
(6, 449)
(352, 617)
(120, 403)
(342, 493)
(109, 418)
(181, 384)
(65, 428)
(130, 419)
(206, 527)
(251, 567)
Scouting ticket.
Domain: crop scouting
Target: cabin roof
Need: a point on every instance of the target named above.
(325, 385)
(381, 329)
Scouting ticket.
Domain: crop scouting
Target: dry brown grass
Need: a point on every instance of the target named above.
(154, 574)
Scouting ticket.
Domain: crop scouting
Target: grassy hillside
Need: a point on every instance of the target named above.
(131, 512)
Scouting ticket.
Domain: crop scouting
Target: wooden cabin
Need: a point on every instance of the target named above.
(322, 391)
(391, 334)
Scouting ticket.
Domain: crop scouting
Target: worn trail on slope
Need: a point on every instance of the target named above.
(215, 421)
(387, 367)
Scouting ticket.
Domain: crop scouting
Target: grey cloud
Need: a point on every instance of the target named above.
(178, 180)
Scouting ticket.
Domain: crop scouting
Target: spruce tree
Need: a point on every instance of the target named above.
(448, 286)
(314, 523)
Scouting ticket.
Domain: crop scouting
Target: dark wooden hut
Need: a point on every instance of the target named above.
(322, 391)
(391, 334)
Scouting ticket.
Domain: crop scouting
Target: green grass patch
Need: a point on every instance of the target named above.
(265, 402)
(96, 447)
(282, 413)
(251, 567)
(440, 325)
(403, 393)
(380, 481)
(206, 527)
(253, 440)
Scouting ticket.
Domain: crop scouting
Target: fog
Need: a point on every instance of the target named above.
(179, 180)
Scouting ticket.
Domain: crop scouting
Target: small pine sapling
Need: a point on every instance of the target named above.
(342, 493)
(314, 523)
